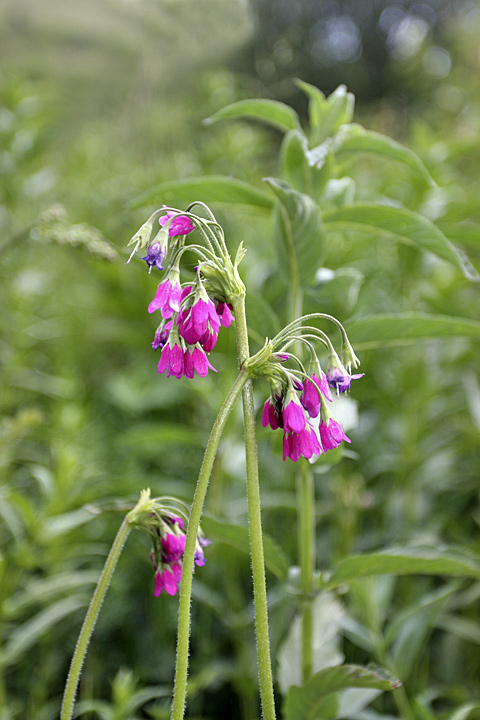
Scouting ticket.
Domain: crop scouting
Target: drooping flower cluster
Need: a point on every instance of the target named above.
(162, 520)
(299, 401)
(193, 313)
(167, 554)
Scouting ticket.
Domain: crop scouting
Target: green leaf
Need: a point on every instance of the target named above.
(298, 234)
(26, 635)
(404, 328)
(40, 591)
(327, 114)
(465, 711)
(294, 161)
(237, 536)
(303, 703)
(317, 103)
(213, 189)
(271, 112)
(400, 225)
(355, 139)
(405, 561)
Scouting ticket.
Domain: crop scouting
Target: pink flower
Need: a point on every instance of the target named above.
(293, 415)
(167, 298)
(310, 397)
(331, 434)
(270, 415)
(224, 313)
(180, 225)
(172, 357)
(199, 323)
(196, 360)
(168, 579)
(160, 338)
(173, 546)
(304, 443)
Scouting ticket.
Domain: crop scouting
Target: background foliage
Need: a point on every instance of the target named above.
(94, 113)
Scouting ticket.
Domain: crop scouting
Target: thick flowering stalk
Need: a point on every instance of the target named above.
(193, 549)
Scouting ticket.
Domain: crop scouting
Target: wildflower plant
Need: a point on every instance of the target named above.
(303, 366)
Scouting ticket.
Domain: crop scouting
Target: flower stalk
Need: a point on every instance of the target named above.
(255, 522)
(183, 636)
(90, 620)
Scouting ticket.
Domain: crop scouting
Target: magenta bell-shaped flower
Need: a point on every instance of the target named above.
(167, 298)
(331, 434)
(195, 360)
(180, 225)
(302, 444)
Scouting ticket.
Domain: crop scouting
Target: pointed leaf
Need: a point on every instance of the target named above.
(405, 561)
(355, 139)
(26, 635)
(400, 225)
(271, 112)
(303, 703)
(298, 233)
(293, 157)
(213, 189)
(403, 328)
(237, 536)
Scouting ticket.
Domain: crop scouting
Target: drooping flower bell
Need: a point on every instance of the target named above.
(339, 379)
(168, 296)
(177, 224)
(154, 256)
(161, 521)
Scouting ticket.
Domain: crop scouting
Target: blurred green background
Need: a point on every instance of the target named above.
(100, 101)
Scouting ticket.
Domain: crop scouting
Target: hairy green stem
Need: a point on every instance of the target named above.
(183, 636)
(255, 522)
(306, 546)
(90, 620)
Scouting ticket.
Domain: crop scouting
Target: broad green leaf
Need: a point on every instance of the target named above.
(26, 635)
(262, 319)
(405, 561)
(212, 189)
(298, 234)
(400, 225)
(294, 161)
(355, 139)
(237, 536)
(271, 112)
(303, 703)
(404, 328)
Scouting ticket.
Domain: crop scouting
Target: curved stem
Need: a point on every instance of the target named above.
(90, 620)
(255, 522)
(183, 636)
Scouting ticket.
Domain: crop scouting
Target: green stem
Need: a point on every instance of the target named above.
(306, 546)
(306, 527)
(183, 637)
(90, 620)
(255, 522)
